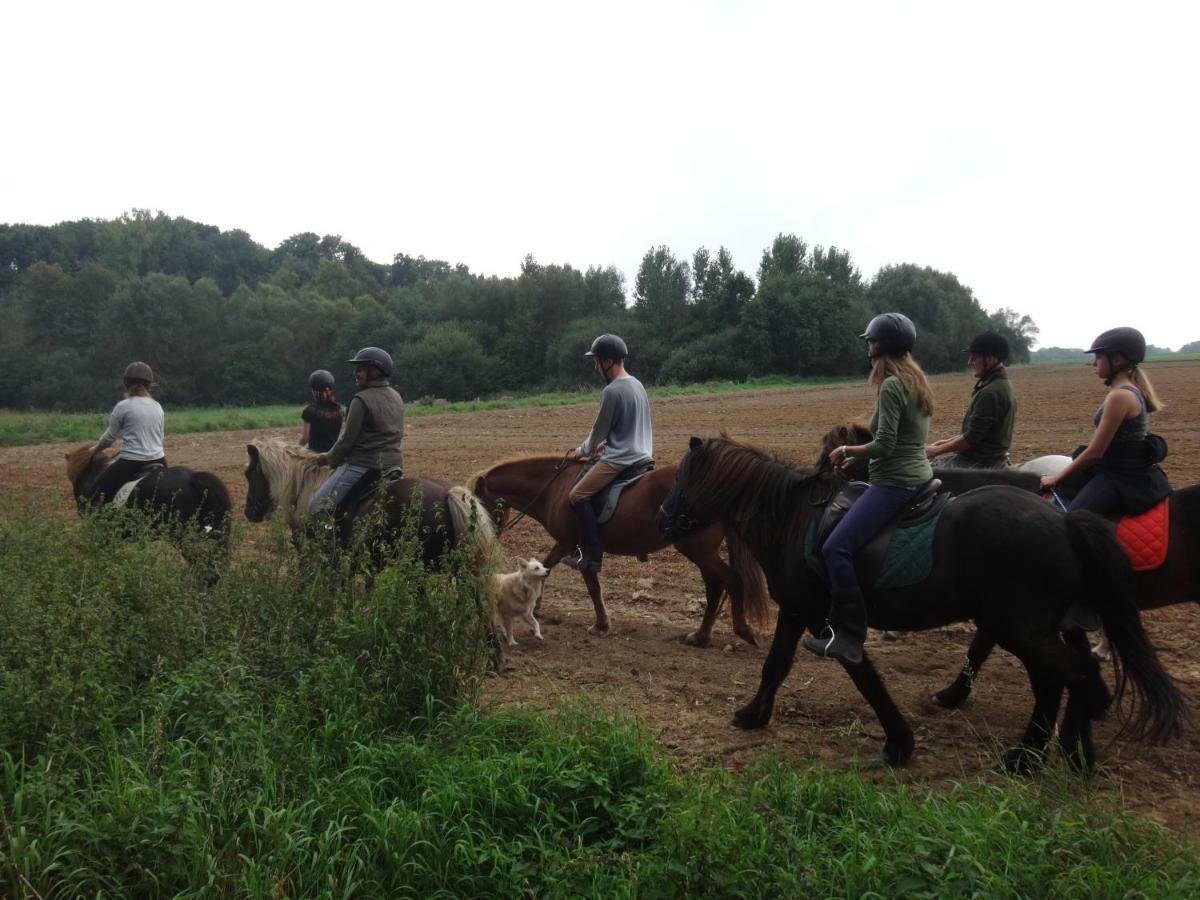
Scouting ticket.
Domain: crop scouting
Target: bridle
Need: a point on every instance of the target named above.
(559, 468)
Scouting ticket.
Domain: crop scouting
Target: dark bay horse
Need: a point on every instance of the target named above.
(537, 486)
(769, 505)
(1177, 580)
(284, 476)
(171, 495)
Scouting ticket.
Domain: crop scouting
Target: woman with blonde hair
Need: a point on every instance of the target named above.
(898, 470)
(1120, 463)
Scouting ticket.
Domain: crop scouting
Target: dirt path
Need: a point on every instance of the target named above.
(687, 695)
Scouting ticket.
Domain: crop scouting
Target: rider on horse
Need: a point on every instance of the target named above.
(322, 417)
(1120, 463)
(987, 428)
(137, 421)
(621, 435)
(898, 469)
(374, 430)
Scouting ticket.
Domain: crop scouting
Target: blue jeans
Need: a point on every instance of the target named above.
(335, 488)
(878, 505)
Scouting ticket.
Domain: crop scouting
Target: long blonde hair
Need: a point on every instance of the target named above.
(910, 374)
(1142, 382)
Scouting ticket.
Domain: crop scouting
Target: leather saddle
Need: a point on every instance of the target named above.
(367, 487)
(928, 504)
(605, 502)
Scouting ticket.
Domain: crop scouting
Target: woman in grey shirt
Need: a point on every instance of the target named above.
(137, 421)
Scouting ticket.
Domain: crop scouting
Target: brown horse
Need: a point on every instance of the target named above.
(537, 486)
(284, 476)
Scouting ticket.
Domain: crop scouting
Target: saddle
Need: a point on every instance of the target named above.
(365, 488)
(900, 554)
(605, 502)
(125, 491)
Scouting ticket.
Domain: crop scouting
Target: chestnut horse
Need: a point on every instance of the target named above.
(537, 486)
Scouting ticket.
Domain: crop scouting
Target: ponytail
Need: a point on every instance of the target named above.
(1142, 382)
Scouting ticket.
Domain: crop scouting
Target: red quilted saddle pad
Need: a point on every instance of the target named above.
(1145, 537)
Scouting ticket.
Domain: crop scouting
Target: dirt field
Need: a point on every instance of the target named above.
(687, 695)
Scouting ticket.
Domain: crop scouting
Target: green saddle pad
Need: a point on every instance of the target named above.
(907, 557)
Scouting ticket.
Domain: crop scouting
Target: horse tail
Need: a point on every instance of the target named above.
(215, 504)
(1157, 712)
(755, 597)
(469, 519)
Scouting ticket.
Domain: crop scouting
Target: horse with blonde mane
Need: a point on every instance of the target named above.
(284, 477)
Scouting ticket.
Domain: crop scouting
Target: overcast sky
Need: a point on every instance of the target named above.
(1043, 152)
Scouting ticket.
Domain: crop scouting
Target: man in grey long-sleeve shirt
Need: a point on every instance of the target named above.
(621, 436)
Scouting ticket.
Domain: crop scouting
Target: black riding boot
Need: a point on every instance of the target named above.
(591, 551)
(846, 633)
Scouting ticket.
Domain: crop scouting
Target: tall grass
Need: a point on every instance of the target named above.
(302, 730)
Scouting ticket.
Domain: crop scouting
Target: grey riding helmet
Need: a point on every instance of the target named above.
(139, 371)
(608, 346)
(373, 356)
(894, 332)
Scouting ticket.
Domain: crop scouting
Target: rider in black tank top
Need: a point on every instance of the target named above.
(322, 417)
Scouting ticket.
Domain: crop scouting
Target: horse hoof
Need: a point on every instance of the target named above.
(694, 639)
(600, 629)
(746, 633)
(952, 697)
(898, 752)
(746, 719)
(1021, 761)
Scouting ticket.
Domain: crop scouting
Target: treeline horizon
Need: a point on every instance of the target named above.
(224, 320)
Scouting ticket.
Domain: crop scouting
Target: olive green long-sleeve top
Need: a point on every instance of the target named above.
(897, 455)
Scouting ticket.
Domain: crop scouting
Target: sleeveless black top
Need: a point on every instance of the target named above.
(324, 424)
(1127, 463)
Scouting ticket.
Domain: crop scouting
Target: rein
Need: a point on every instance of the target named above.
(521, 514)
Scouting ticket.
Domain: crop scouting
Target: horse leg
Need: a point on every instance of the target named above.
(712, 595)
(1088, 700)
(553, 558)
(959, 690)
(592, 580)
(757, 712)
(898, 736)
(1042, 661)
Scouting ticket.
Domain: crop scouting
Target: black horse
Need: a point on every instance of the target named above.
(174, 495)
(769, 505)
(1177, 580)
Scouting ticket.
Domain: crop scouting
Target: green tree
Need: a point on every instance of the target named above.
(661, 290)
(946, 313)
(1020, 331)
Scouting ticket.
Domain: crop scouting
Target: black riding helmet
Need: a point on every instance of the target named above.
(321, 380)
(608, 346)
(1129, 342)
(989, 343)
(894, 332)
(373, 356)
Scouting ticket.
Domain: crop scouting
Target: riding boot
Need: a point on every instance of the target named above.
(590, 552)
(846, 633)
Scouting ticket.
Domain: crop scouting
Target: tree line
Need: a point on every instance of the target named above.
(224, 320)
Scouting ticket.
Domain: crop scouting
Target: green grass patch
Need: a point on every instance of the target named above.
(304, 731)
(20, 428)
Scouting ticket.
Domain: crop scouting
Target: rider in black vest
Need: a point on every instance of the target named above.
(322, 417)
(1120, 461)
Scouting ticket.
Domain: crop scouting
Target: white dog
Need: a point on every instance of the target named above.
(515, 594)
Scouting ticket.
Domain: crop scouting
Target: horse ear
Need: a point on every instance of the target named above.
(695, 442)
(252, 452)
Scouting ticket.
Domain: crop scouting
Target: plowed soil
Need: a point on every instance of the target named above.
(687, 695)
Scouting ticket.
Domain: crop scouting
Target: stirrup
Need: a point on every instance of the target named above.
(580, 562)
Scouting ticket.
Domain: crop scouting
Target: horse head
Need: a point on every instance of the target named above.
(80, 463)
(498, 511)
(852, 433)
(259, 501)
(676, 518)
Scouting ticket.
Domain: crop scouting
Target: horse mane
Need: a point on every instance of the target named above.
(292, 481)
(80, 461)
(474, 480)
(757, 490)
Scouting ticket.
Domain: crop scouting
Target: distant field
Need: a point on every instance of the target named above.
(19, 428)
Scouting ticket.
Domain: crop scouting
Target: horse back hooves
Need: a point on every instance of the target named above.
(599, 630)
(898, 752)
